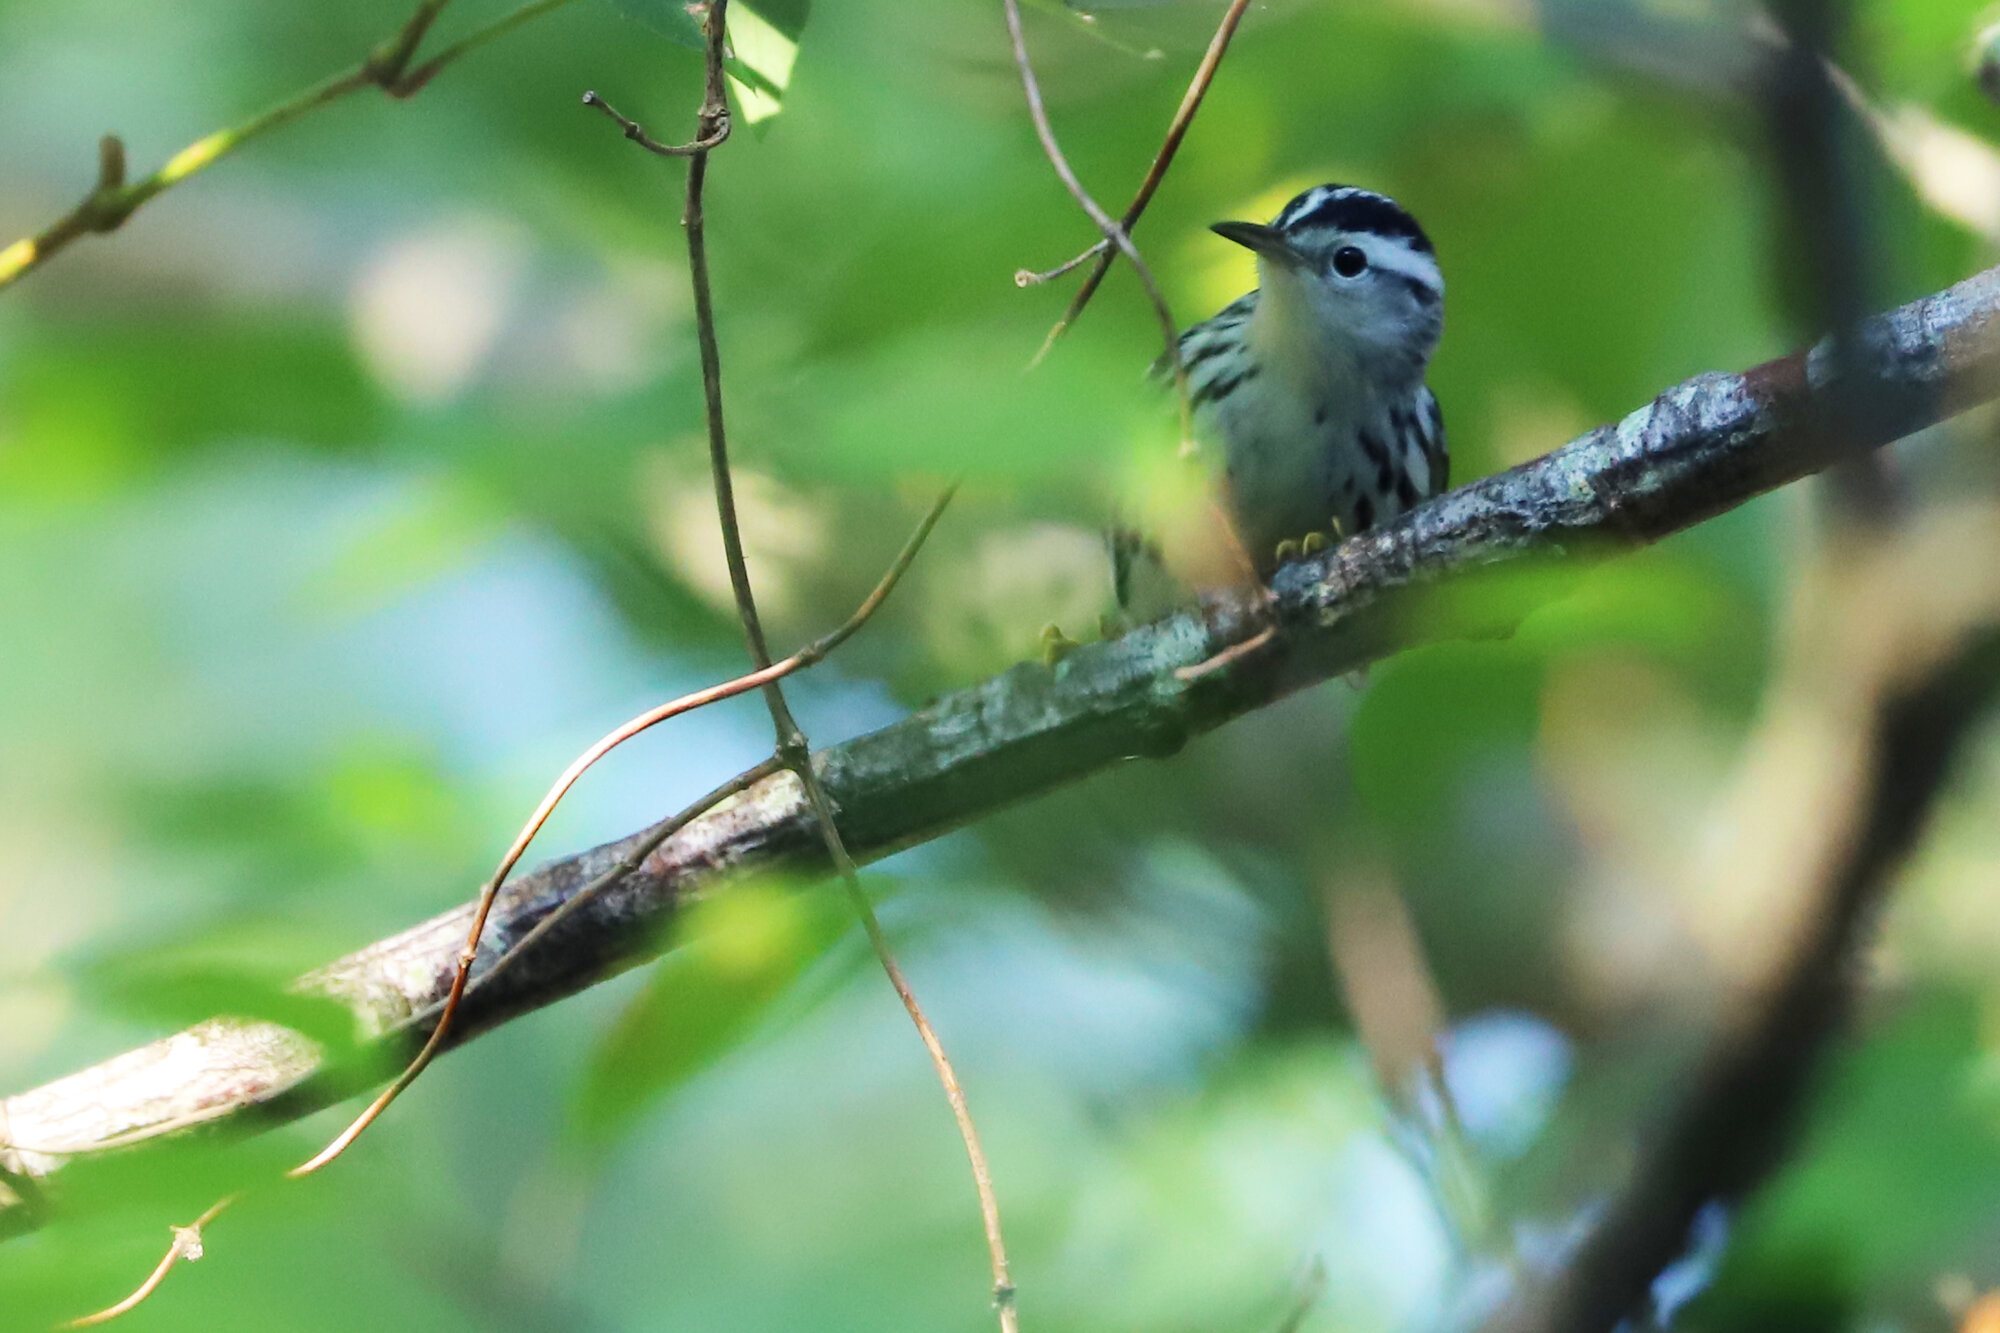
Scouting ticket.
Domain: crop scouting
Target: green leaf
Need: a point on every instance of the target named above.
(763, 43)
(239, 968)
(765, 39)
(787, 16)
(1432, 720)
(750, 82)
(740, 951)
(669, 18)
(1897, 1167)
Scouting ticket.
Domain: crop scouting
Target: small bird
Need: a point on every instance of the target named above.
(1311, 409)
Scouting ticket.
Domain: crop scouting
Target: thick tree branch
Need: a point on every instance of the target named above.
(1697, 450)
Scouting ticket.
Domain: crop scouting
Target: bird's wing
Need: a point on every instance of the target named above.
(1210, 336)
(1431, 422)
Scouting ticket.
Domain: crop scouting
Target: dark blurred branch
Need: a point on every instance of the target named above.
(1986, 61)
(387, 67)
(1737, 1125)
(1825, 248)
(1718, 55)
(1825, 254)
(1918, 668)
(1699, 449)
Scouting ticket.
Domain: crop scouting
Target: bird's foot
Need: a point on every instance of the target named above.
(1312, 543)
(1056, 645)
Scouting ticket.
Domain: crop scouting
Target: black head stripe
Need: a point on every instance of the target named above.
(1348, 208)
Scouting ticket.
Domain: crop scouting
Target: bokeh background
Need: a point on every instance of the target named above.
(357, 483)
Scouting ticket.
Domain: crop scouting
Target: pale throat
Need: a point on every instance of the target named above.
(1295, 344)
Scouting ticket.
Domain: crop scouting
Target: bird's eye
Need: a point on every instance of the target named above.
(1348, 261)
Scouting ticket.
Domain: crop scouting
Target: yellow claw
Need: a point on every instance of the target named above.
(1338, 529)
(1288, 551)
(1314, 543)
(1056, 645)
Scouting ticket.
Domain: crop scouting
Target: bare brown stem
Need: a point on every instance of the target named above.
(1027, 277)
(186, 1245)
(415, 80)
(632, 860)
(1114, 233)
(1204, 75)
(386, 63)
(637, 133)
(793, 749)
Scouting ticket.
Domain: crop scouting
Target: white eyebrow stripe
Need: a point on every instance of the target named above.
(1396, 257)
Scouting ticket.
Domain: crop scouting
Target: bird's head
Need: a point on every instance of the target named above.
(1354, 268)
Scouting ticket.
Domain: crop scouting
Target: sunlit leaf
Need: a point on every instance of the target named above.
(763, 44)
(768, 50)
(787, 16)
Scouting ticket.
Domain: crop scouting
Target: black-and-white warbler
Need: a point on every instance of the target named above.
(1311, 410)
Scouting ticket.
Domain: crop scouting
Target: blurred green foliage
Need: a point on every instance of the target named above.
(357, 483)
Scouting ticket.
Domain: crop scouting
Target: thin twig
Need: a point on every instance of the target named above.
(414, 82)
(1311, 1289)
(982, 1174)
(386, 63)
(186, 1245)
(491, 889)
(1227, 657)
(1114, 233)
(637, 134)
(792, 747)
(1027, 277)
(631, 861)
(813, 652)
(112, 200)
(1183, 117)
(762, 678)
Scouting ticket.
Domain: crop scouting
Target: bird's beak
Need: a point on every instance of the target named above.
(1266, 242)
